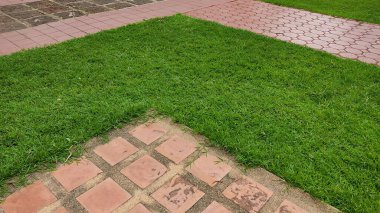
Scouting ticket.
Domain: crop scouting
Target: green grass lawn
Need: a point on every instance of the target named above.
(307, 116)
(362, 10)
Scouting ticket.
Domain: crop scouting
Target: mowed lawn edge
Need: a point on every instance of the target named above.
(364, 10)
(307, 116)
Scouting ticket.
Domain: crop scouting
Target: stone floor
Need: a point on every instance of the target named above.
(341, 37)
(34, 13)
(157, 166)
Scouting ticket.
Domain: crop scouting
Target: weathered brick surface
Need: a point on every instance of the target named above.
(204, 180)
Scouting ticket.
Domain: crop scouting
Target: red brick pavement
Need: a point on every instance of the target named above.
(150, 179)
(341, 37)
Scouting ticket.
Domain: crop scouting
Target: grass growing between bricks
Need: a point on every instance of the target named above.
(307, 116)
(364, 10)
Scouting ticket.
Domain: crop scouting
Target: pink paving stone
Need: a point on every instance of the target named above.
(176, 148)
(301, 26)
(209, 169)
(288, 207)
(248, 194)
(148, 133)
(115, 151)
(144, 171)
(139, 208)
(29, 199)
(104, 197)
(216, 207)
(348, 55)
(177, 195)
(75, 174)
(61, 210)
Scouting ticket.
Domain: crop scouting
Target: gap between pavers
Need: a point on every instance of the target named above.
(158, 166)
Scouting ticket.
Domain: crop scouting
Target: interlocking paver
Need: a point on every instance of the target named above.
(139, 208)
(216, 207)
(148, 133)
(29, 199)
(75, 174)
(176, 148)
(115, 151)
(177, 195)
(288, 207)
(144, 171)
(299, 27)
(248, 194)
(104, 197)
(209, 169)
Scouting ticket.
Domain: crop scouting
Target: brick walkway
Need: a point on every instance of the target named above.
(27, 14)
(158, 167)
(63, 30)
(344, 38)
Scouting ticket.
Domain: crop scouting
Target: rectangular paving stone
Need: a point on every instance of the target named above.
(11, 26)
(75, 174)
(29, 199)
(103, 1)
(65, 1)
(96, 9)
(177, 195)
(5, 19)
(35, 21)
(144, 171)
(119, 5)
(139, 2)
(54, 9)
(139, 208)
(69, 14)
(176, 148)
(248, 194)
(216, 207)
(14, 8)
(42, 4)
(148, 132)
(289, 207)
(115, 151)
(104, 197)
(25, 14)
(209, 169)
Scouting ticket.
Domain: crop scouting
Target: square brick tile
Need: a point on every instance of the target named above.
(209, 169)
(148, 133)
(139, 208)
(177, 195)
(248, 194)
(104, 197)
(75, 174)
(115, 151)
(216, 207)
(144, 171)
(176, 149)
(29, 199)
(289, 207)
